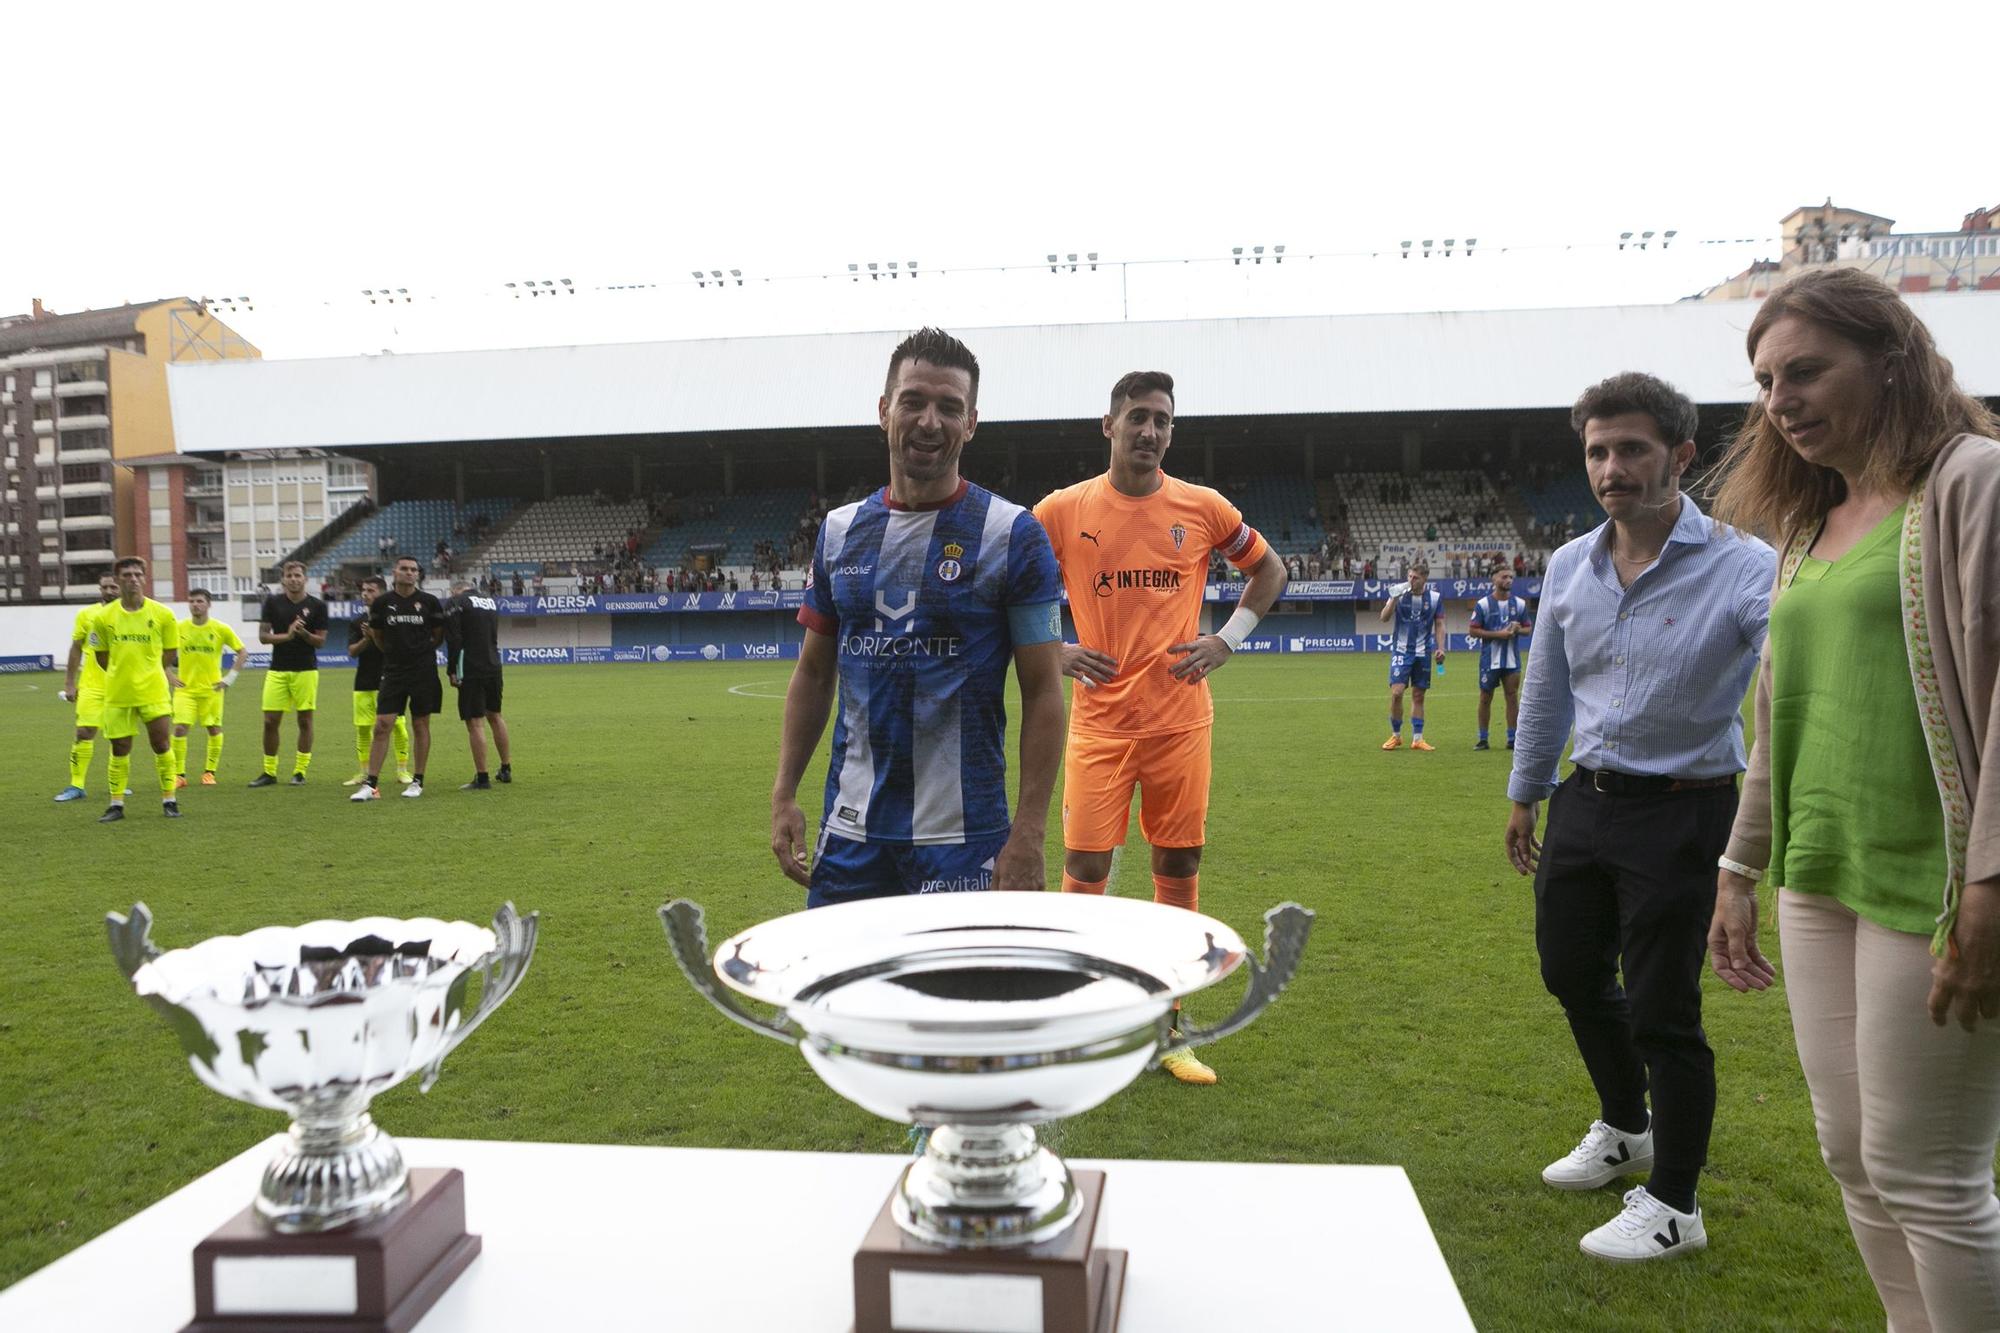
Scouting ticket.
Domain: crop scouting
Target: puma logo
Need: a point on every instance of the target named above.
(1091, 537)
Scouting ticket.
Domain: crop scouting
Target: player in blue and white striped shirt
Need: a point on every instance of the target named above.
(919, 598)
(1418, 610)
(1496, 619)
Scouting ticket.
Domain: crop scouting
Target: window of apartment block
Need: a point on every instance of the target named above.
(75, 474)
(44, 377)
(48, 511)
(156, 478)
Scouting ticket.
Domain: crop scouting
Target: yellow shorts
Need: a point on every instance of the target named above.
(89, 706)
(198, 708)
(291, 691)
(1170, 771)
(364, 709)
(122, 722)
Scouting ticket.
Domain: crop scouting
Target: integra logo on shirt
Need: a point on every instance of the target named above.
(1167, 579)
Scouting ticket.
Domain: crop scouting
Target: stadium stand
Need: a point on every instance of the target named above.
(1282, 508)
(1458, 506)
(417, 526)
(1560, 505)
(567, 528)
(734, 524)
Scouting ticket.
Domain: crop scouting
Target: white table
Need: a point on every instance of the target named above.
(664, 1239)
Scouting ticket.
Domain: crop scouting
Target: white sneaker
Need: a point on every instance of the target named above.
(1647, 1229)
(414, 789)
(366, 792)
(1604, 1155)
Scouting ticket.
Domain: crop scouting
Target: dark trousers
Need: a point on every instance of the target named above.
(1628, 881)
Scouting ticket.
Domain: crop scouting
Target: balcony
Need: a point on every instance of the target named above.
(41, 393)
(95, 421)
(79, 592)
(79, 456)
(45, 427)
(89, 523)
(89, 555)
(200, 490)
(45, 492)
(78, 388)
(71, 490)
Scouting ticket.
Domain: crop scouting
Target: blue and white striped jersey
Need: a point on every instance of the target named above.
(926, 607)
(1417, 615)
(1491, 613)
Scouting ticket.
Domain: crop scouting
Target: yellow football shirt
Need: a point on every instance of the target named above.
(202, 647)
(135, 641)
(93, 674)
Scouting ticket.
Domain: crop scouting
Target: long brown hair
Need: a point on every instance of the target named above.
(1764, 486)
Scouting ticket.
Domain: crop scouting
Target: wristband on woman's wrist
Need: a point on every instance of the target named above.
(1738, 868)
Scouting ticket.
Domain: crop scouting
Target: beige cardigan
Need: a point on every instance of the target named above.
(1950, 565)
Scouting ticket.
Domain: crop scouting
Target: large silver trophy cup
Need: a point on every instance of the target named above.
(980, 1016)
(315, 1020)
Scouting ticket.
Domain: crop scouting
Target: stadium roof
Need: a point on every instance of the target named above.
(1476, 361)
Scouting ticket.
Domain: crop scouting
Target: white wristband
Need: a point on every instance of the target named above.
(1238, 628)
(1738, 868)
(229, 677)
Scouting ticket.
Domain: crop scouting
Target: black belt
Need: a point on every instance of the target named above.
(1636, 784)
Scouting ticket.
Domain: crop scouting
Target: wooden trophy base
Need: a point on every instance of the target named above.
(377, 1277)
(1066, 1285)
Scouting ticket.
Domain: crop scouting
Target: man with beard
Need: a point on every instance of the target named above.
(1648, 633)
(1134, 547)
(917, 599)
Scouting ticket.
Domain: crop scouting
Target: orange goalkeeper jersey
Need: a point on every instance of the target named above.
(1135, 568)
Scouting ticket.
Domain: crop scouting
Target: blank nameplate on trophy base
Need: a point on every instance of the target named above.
(375, 1277)
(1066, 1285)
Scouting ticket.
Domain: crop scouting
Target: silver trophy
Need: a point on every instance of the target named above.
(315, 1020)
(982, 1015)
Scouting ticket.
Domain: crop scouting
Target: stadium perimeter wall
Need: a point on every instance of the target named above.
(1323, 616)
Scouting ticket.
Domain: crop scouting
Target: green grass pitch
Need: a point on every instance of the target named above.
(1417, 1031)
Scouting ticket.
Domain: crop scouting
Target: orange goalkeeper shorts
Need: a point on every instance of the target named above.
(1171, 772)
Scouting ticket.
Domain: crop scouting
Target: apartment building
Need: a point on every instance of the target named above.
(83, 397)
(1965, 260)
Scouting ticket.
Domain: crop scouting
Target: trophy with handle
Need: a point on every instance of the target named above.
(979, 1016)
(315, 1020)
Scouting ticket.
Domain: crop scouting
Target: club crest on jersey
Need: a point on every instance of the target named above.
(949, 568)
(1179, 533)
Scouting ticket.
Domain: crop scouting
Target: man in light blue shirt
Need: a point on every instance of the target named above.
(1646, 637)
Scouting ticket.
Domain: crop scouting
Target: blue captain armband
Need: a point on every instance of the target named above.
(1038, 623)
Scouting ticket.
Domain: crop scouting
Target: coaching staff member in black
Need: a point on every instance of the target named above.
(472, 661)
(407, 624)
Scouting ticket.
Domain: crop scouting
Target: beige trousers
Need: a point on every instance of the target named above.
(1907, 1114)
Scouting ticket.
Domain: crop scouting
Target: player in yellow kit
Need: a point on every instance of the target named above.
(198, 702)
(137, 642)
(83, 685)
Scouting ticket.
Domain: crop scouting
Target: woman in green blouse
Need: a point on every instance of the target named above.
(1872, 804)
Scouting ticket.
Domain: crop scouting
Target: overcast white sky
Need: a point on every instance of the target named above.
(300, 153)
